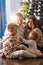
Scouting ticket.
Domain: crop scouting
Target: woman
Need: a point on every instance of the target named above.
(31, 24)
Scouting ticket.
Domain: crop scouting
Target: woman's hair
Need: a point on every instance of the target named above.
(27, 28)
(34, 22)
(32, 35)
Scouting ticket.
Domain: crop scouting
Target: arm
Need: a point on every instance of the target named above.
(25, 41)
(4, 38)
(28, 41)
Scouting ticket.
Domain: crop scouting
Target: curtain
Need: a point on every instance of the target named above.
(2, 19)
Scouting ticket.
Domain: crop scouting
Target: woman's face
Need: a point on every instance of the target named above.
(30, 23)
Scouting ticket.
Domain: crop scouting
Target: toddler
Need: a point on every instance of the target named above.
(18, 20)
(10, 43)
(32, 42)
(20, 29)
(32, 51)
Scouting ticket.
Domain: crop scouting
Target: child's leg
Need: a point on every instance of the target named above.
(39, 53)
(36, 52)
(21, 53)
(15, 54)
(28, 54)
(22, 47)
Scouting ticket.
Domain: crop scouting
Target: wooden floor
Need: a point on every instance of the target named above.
(4, 61)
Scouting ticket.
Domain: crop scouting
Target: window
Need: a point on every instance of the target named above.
(11, 6)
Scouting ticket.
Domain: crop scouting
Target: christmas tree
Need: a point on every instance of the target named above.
(32, 7)
(27, 8)
(24, 7)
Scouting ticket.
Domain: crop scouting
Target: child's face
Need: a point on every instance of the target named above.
(30, 38)
(33, 38)
(19, 22)
(12, 32)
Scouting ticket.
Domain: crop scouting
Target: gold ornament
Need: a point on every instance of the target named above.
(25, 7)
(25, 1)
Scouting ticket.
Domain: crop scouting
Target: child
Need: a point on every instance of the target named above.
(18, 20)
(31, 41)
(32, 51)
(10, 43)
(20, 29)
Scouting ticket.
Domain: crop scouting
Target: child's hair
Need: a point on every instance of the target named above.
(12, 26)
(15, 17)
(32, 35)
(19, 15)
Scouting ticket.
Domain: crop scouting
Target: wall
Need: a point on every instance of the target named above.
(11, 6)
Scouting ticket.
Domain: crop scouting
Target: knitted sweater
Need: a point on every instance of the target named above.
(10, 45)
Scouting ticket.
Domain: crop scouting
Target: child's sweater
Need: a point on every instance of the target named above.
(20, 32)
(10, 45)
(31, 43)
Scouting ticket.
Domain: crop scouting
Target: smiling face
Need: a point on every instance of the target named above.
(19, 18)
(19, 22)
(30, 23)
(12, 28)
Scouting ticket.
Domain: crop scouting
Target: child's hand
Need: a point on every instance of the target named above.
(20, 39)
(5, 45)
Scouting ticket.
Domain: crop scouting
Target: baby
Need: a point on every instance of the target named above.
(32, 51)
(18, 20)
(10, 43)
(32, 42)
